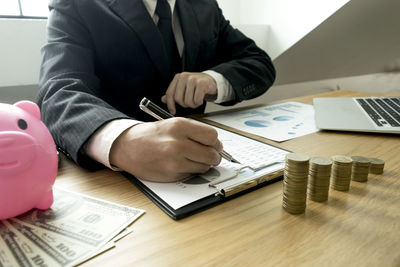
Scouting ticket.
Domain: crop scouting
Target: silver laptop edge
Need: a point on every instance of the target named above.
(345, 114)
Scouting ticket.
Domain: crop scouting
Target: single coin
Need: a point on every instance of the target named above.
(360, 159)
(342, 159)
(321, 161)
(297, 157)
(376, 161)
(377, 166)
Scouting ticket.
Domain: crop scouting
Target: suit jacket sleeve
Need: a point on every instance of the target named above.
(247, 67)
(68, 85)
(103, 56)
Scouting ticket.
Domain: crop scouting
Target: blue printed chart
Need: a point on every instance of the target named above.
(278, 122)
(257, 123)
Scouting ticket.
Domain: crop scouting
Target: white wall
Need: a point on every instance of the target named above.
(360, 38)
(289, 20)
(231, 10)
(20, 45)
(273, 24)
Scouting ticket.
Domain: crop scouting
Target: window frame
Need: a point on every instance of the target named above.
(20, 17)
(21, 14)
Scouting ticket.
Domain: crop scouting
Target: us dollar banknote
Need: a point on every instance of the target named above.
(16, 250)
(89, 220)
(74, 229)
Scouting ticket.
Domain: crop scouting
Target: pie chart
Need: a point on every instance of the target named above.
(257, 123)
(283, 118)
(195, 180)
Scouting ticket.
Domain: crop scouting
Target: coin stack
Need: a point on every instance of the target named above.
(318, 179)
(376, 166)
(360, 168)
(341, 172)
(295, 183)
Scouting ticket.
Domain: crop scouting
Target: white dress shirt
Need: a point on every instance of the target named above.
(99, 145)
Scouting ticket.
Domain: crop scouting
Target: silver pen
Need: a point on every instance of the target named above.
(160, 114)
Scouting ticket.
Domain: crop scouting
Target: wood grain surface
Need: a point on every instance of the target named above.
(360, 227)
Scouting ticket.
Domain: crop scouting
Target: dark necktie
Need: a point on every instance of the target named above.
(163, 11)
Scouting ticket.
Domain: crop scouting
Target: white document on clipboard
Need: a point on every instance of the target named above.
(258, 160)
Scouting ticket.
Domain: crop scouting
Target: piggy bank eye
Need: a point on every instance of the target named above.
(22, 124)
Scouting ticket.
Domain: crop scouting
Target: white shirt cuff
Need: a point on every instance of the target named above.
(224, 88)
(99, 145)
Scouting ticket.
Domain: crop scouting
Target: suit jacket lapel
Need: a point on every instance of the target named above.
(135, 14)
(191, 34)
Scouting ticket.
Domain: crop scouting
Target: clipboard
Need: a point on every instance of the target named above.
(204, 203)
(230, 179)
(259, 179)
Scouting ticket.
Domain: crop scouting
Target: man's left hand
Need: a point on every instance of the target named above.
(189, 89)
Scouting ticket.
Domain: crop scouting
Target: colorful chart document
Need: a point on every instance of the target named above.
(278, 122)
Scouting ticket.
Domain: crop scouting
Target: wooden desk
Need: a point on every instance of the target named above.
(356, 228)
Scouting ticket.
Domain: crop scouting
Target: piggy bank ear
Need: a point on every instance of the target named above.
(29, 107)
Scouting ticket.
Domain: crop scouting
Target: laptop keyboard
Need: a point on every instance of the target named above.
(385, 112)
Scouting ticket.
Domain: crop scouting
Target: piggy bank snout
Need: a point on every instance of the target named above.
(17, 151)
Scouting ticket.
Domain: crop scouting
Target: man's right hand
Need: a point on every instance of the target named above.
(168, 150)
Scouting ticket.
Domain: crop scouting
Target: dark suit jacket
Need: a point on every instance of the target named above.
(104, 56)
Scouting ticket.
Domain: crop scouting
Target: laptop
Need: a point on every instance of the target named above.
(360, 114)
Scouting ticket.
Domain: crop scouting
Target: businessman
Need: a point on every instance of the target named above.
(102, 57)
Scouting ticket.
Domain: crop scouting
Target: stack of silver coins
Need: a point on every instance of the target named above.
(295, 183)
(360, 168)
(341, 172)
(318, 179)
(376, 166)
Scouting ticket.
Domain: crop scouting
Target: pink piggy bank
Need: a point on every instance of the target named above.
(28, 160)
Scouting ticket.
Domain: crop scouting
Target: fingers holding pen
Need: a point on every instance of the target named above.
(205, 156)
(199, 132)
(167, 150)
(201, 141)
